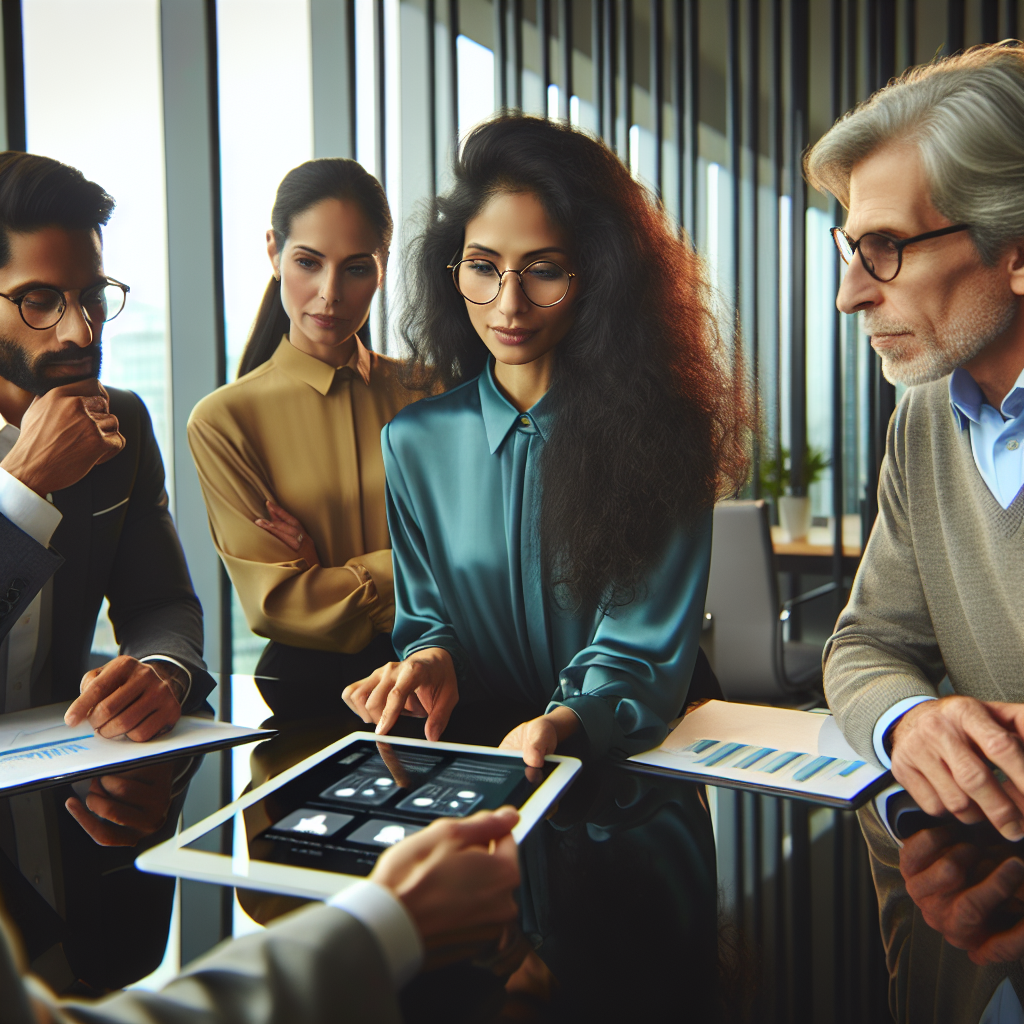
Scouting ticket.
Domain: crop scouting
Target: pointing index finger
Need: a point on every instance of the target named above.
(406, 683)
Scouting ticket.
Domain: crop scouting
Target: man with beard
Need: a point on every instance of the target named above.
(83, 516)
(931, 171)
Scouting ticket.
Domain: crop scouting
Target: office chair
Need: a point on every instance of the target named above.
(743, 617)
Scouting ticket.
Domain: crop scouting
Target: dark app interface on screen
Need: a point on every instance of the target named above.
(341, 814)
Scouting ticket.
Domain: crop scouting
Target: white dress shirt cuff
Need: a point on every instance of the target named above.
(173, 661)
(884, 723)
(389, 923)
(23, 507)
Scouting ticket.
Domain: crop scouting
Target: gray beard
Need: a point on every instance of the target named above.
(930, 355)
(16, 367)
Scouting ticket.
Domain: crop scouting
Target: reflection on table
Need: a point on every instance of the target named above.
(618, 901)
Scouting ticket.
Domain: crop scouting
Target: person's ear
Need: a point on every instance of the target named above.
(382, 262)
(272, 252)
(1016, 260)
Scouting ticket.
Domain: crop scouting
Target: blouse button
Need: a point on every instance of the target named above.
(1012, 445)
(525, 420)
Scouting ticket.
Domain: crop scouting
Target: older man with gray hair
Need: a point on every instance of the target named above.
(931, 172)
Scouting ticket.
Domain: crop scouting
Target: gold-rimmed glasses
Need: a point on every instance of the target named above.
(477, 280)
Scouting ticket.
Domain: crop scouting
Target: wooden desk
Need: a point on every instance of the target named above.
(813, 556)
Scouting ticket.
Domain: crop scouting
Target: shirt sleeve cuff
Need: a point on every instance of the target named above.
(885, 723)
(596, 719)
(173, 661)
(30, 513)
(882, 808)
(389, 923)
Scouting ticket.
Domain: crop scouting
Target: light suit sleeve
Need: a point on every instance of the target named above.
(319, 965)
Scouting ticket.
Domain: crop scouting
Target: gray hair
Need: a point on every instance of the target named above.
(966, 115)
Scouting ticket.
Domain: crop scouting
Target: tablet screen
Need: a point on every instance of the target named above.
(343, 812)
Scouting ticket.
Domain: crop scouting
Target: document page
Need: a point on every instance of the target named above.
(777, 750)
(38, 750)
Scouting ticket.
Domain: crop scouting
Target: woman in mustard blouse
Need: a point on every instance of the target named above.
(289, 454)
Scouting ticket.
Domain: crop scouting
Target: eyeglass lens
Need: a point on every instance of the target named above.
(880, 254)
(43, 307)
(543, 282)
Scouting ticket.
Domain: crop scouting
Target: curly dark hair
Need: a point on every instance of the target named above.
(650, 412)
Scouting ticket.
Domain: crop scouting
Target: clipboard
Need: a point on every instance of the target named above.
(37, 750)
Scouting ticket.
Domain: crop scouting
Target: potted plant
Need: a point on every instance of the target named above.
(776, 483)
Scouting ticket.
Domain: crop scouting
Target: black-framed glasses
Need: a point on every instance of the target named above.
(43, 307)
(882, 256)
(478, 281)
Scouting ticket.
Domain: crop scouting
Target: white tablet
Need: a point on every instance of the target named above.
(321, 824)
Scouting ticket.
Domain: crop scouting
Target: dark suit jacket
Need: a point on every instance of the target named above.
(117, 540)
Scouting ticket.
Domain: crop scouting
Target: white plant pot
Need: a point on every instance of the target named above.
(795, 516)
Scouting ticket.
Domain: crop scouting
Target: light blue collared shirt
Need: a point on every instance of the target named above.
(997, 435)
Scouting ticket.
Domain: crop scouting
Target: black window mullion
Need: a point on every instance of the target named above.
(625, 79)
(657, 15)
(544, 36)
(14, 74)
(565, 45)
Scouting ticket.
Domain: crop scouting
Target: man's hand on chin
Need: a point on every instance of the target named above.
(64, 434)
(130, 698)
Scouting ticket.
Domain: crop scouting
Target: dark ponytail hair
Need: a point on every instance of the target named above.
(302, 187)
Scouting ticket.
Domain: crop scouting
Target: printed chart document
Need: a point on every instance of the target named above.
(38, 750)
(797, 754)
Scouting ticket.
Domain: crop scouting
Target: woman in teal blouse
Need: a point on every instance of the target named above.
(550, 510)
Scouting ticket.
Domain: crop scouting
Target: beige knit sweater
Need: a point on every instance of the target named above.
(939, 591)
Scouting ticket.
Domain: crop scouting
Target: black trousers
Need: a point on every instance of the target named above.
(297, 682)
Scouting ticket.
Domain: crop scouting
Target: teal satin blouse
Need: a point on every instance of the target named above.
(463, 501)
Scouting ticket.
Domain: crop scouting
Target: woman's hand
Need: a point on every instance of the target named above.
(423, 686)
(287, 529)
(540, 736)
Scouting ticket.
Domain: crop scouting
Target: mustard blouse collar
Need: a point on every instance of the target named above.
(318, 375)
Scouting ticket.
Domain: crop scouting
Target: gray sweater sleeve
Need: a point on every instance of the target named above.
(884, 648)
(319, 965)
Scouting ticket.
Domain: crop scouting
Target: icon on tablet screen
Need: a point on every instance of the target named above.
(312, 822)
(377, 832)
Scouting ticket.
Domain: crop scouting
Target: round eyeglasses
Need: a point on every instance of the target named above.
(478, 281)
(43, 307)
(882, 256)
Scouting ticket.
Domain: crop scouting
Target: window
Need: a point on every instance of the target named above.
(266, 129)
(104, 116)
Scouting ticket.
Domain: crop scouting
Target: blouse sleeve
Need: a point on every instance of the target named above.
(335, 608)
(632, 679)
(421, 619)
